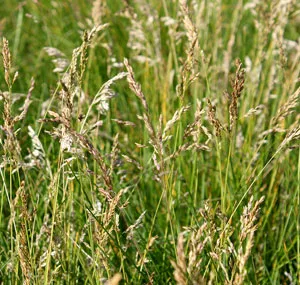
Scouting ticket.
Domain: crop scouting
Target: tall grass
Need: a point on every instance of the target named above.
(150, 142)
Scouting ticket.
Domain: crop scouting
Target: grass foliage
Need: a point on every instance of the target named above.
(149, 142)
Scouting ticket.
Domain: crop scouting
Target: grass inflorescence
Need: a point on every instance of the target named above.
(149, 142)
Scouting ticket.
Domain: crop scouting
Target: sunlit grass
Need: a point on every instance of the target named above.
(149, 142)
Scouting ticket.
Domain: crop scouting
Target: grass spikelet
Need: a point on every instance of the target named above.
(287, 108)
(23, 249)
(293, 134)
(155, 137)
(11, 144)
(131, 229)
(26, 104)
(213, 119)
(188, 73)
(176, 117)
(135, 87)
(24, 256)
(115, 280)
(237, 85)
(59, 59)
(102, 97)
(98, 9)
(180, 266)
(248, 227)
(6, 63)
(192, 33)
(197, 244)
(114, 154)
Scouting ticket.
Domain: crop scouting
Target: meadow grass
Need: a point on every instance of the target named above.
(149, 142)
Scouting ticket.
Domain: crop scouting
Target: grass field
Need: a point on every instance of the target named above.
(150, 142)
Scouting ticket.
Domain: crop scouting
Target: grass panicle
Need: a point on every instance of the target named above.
(125, 161)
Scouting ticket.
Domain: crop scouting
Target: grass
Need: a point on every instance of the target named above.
(149, 142)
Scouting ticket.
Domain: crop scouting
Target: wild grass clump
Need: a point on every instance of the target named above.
(149, 142)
